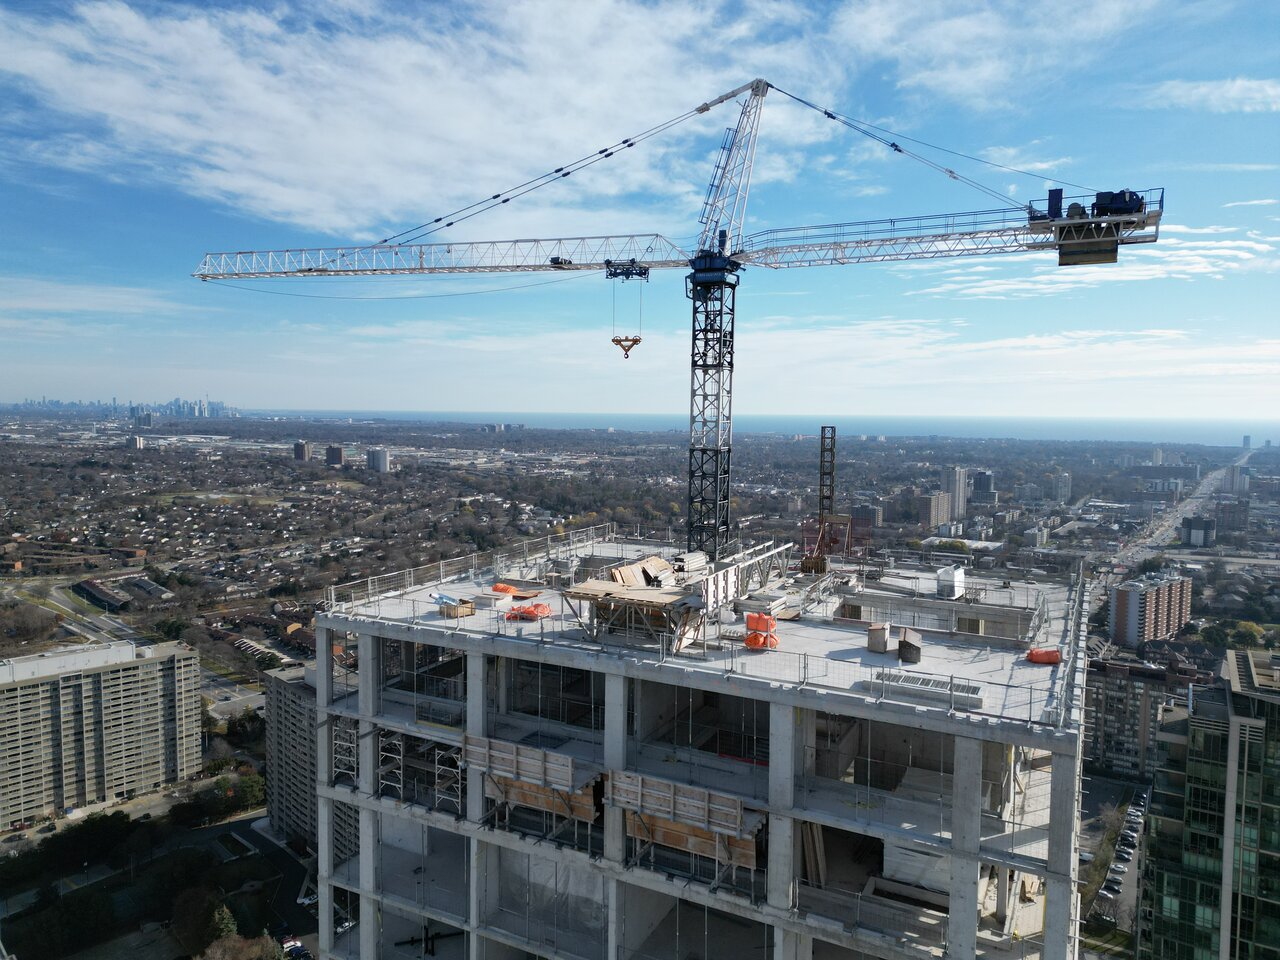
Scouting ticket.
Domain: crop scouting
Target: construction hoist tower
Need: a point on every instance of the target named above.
(1089, 229)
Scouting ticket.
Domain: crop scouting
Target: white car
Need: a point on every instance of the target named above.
(1118, 869)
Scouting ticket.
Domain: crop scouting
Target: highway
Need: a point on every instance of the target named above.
(1166, 528)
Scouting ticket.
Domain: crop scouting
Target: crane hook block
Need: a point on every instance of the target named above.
(627, 344)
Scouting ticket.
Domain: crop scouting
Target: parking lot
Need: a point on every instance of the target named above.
(1115, 901)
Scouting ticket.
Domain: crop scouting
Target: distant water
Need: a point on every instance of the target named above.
(1210, 432)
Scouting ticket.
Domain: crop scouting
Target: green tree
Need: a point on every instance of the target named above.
(1214, 635)
(221, 924)
(1247, 631)
(251, 791)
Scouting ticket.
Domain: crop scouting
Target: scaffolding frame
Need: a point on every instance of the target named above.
(390, 764)
(346, 750)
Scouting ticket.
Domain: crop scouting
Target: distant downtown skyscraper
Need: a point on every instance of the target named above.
(955, 481)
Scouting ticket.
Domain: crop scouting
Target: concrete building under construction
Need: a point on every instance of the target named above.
(592, 748)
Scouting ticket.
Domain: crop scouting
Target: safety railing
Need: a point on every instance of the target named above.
(538, 548)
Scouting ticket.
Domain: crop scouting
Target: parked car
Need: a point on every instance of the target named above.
(1124, 856)
(1106, 894)
(1118, 868)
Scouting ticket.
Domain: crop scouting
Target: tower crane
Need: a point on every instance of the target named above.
(1089, 230)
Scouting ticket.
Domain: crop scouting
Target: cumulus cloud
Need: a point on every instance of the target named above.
(1173, 258)
(978, 54)
(1237, 95)
(353, 121)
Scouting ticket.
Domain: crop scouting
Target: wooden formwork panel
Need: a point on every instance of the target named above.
(579, 806)
(680, 803)
(517, 761)
(738, 851)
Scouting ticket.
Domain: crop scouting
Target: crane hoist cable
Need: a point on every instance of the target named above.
(867, 130)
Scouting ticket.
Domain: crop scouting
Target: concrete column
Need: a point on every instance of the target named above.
(324, 667)
(1060, 940)
(1004, 880)
(370, 882)
(966, 837)
(789, 945)
(370, 652)
(781, 884)
(613, 913)
(477, 726)
(408, 653)
(615, 758)
(504, 685)
(484, 891)
(324, 870)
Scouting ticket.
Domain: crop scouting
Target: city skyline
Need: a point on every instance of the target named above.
(128, 158)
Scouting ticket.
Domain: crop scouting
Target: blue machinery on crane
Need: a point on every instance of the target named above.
(1089, 230)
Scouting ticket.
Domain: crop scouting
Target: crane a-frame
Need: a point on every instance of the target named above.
(1090, 230)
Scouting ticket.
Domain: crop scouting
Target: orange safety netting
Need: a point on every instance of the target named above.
(504, 588)
(534, 611)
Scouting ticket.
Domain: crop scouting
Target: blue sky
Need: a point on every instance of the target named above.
(135, 137)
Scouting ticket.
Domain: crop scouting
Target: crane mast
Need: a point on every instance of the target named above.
(712, 287)
(1081, 230)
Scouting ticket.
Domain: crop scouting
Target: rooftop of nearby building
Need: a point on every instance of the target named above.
(600, 594)
(1253, 671)
(79, 657)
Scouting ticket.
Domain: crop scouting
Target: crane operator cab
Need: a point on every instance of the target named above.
(1092, 234)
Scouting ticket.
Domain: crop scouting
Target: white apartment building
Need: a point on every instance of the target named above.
(95, 723)
(590, 748)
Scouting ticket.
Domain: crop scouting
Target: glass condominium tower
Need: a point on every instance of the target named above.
(1211, 860)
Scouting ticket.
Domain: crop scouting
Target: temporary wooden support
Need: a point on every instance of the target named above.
(582, 805)
(733, 851)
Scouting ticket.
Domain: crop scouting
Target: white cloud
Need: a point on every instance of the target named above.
(356, 122)
(1024, 158)
(1238, 95)
(1172, 258)
(41, 297)
(1178, 228)
(1227, 167)
(1251, 203)
(979, 54)
(914, 359)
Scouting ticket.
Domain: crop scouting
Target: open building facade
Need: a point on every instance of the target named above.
(602, 760)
